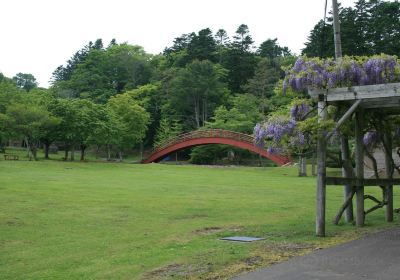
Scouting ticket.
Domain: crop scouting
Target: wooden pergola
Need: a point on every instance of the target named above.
(384, 98)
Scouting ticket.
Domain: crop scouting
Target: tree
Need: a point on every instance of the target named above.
(320, 41)
(90, 79)
(168, 129)
(25, 81)
(372, 27)
(196, 90)
(29, 120)
(48, 134)
(385, 26)
(202, 46)
(107, 131)
(262, 85)
(132, 118)
(64, 73)
(242, 39)
(239, 115)
(271, 49)
(9, 93)
(152, 98)
(177, 55)
(65, 133)
(239, 60)
(128, 67)
(87, 117)
(222, 39)
(97, 74)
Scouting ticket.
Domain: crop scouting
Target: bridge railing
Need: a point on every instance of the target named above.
(207, 133)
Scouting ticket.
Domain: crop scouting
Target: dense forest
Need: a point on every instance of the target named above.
(116, 97)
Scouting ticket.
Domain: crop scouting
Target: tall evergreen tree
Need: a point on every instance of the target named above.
(239, 59)
(372, 27)
(202, 46)
(25, 81)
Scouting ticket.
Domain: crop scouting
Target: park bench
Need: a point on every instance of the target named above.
(11, 157)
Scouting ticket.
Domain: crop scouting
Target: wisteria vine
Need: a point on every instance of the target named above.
(318, 73)
(281, 133)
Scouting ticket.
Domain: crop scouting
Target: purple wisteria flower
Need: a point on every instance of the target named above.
(370, 139)
(299, 112)
(259, 135)
(325, 74)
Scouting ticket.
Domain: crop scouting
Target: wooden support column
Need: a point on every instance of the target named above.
(321, 169)
(344, 143)
(359, 157)
(389, 174)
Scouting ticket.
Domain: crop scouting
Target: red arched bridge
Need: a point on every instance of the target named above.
(211, 136)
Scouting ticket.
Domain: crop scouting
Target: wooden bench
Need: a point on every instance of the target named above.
(11, 157)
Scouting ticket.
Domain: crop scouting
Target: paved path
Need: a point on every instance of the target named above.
(376, 257)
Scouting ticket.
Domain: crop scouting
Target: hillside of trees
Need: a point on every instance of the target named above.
(117, 97)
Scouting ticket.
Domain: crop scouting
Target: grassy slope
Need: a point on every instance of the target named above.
(99, 221)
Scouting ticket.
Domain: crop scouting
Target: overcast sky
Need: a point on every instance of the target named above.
(39, 35)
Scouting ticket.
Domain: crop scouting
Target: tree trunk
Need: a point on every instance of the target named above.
(72, 153)
(141, 151)
(302, 166)
(28, 149)
(108, 152)
(66, 154)
(196, 112)
(299, 166)
(97, 151)
(2, 147)
(46, 150)
(120, 156)
(83, 148)
(34, 151)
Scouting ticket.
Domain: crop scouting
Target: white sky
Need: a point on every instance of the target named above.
(39, 35)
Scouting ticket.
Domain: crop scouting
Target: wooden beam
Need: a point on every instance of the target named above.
(344, 117)
(359, 158)
(358, 92)
(321, 170)
(348, 200)
(340, 181)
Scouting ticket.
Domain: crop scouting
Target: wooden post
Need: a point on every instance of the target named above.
(336, 30)
(359, 156)
(321, 173)
(389, 174)
(344, 143)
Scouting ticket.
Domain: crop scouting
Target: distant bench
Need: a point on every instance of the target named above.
(11, 157)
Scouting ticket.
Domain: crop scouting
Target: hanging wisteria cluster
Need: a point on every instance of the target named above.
(281, 133)
(371, 139)
(318, 73)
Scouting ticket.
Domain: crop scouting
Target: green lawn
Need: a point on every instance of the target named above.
(62, 220)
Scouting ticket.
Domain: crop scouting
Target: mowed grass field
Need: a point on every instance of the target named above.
(63, 220)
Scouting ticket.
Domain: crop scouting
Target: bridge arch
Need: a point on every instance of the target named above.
(211, 136)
